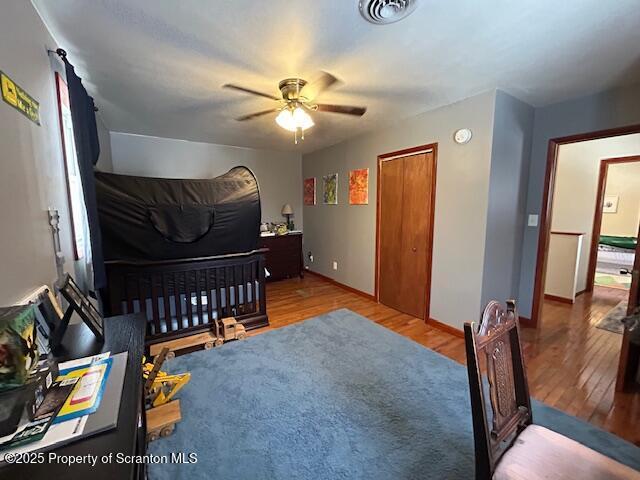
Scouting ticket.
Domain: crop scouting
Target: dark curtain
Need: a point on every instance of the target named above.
(85, 132)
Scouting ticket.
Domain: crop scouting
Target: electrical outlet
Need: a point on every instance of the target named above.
(310, 255)
(335, 265)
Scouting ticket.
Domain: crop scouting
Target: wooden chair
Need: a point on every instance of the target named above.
(507, 444)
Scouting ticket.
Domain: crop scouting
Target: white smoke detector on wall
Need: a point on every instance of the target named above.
(462, 136)
(382, 12)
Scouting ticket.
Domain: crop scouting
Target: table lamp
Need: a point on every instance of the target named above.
(287, 211)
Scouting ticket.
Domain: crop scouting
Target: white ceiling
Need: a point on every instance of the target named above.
(155, 67)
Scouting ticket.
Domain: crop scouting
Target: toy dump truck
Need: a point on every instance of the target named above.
(232, 330)
(161, 410)
(161, 421)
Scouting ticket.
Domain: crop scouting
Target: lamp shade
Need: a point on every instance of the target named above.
(287, 210)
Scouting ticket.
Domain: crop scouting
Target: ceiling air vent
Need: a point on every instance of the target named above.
(382, 12)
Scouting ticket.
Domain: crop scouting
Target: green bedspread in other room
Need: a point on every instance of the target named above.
(620, 242)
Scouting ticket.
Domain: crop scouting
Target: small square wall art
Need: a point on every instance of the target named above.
(610, 204)
(309, 191)
(359, 187)
(330, 183)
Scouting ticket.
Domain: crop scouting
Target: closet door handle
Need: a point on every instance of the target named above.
(414, 249)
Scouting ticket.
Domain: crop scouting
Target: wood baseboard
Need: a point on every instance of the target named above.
(526, 322)
(558, 299)
(342, 285)
(431, 321)
(445, 328)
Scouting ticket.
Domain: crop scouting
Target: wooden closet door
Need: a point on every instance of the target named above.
(405, 232)
(416, 221)
(390, 269)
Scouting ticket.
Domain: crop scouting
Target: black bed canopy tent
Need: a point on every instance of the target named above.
(163, 219)
(183, 252)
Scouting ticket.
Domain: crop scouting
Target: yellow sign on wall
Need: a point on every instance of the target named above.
(19, 99)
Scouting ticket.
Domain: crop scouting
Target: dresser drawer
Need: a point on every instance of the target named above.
(281, 242)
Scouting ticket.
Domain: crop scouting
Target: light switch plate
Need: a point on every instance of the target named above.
(335, 265)
(533, 220)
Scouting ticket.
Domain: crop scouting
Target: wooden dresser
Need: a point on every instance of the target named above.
(284, 258)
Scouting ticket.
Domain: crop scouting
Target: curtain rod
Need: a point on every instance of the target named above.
(63, 54)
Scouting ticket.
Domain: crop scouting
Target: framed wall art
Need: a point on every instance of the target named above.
(610, 204)
(309, 191)
(359, 187)
(330, 183)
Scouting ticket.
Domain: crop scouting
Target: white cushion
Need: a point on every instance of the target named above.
(539, 453)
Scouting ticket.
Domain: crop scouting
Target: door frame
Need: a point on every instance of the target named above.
(433, 147)
(597, 218)
(546, 209)
(630, 354)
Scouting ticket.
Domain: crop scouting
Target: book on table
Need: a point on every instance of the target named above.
(84, 400)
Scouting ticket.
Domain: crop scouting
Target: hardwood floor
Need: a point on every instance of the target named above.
(571, 364)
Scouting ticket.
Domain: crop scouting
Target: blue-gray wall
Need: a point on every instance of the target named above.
(510, 155)
(346, 233)
(610, 109)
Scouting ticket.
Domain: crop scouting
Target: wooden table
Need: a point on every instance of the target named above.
(122, 333)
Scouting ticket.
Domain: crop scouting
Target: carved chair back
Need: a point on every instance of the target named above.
(494, 352)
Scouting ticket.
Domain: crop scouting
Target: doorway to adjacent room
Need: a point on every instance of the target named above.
(615, 226)
(587, 249)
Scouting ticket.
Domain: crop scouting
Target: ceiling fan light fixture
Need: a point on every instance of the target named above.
(285, 120)
(302, 119)
(294, 119)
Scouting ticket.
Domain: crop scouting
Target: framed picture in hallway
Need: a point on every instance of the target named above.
(309, 191)
(610, 204)
(359, 187)
(330, 192)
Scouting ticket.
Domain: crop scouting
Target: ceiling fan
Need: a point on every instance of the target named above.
(298, 100)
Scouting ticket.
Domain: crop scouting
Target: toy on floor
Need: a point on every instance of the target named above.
(159, 388)
(222, 331)
(232, 330)
(161, 421)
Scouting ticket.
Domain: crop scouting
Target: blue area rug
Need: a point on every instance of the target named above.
(335, 397)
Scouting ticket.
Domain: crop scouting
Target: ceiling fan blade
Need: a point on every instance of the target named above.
(319, 85)
(257, 114)
(250, 91)
(346, 109)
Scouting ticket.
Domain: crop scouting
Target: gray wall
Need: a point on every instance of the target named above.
(278, 173)
(614, 108)
(32, 175)
(346, 233)
(510, 154)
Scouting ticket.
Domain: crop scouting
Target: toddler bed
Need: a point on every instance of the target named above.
(181, 297)
(182, 252)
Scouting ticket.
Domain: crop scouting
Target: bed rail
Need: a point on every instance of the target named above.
(181, 297)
